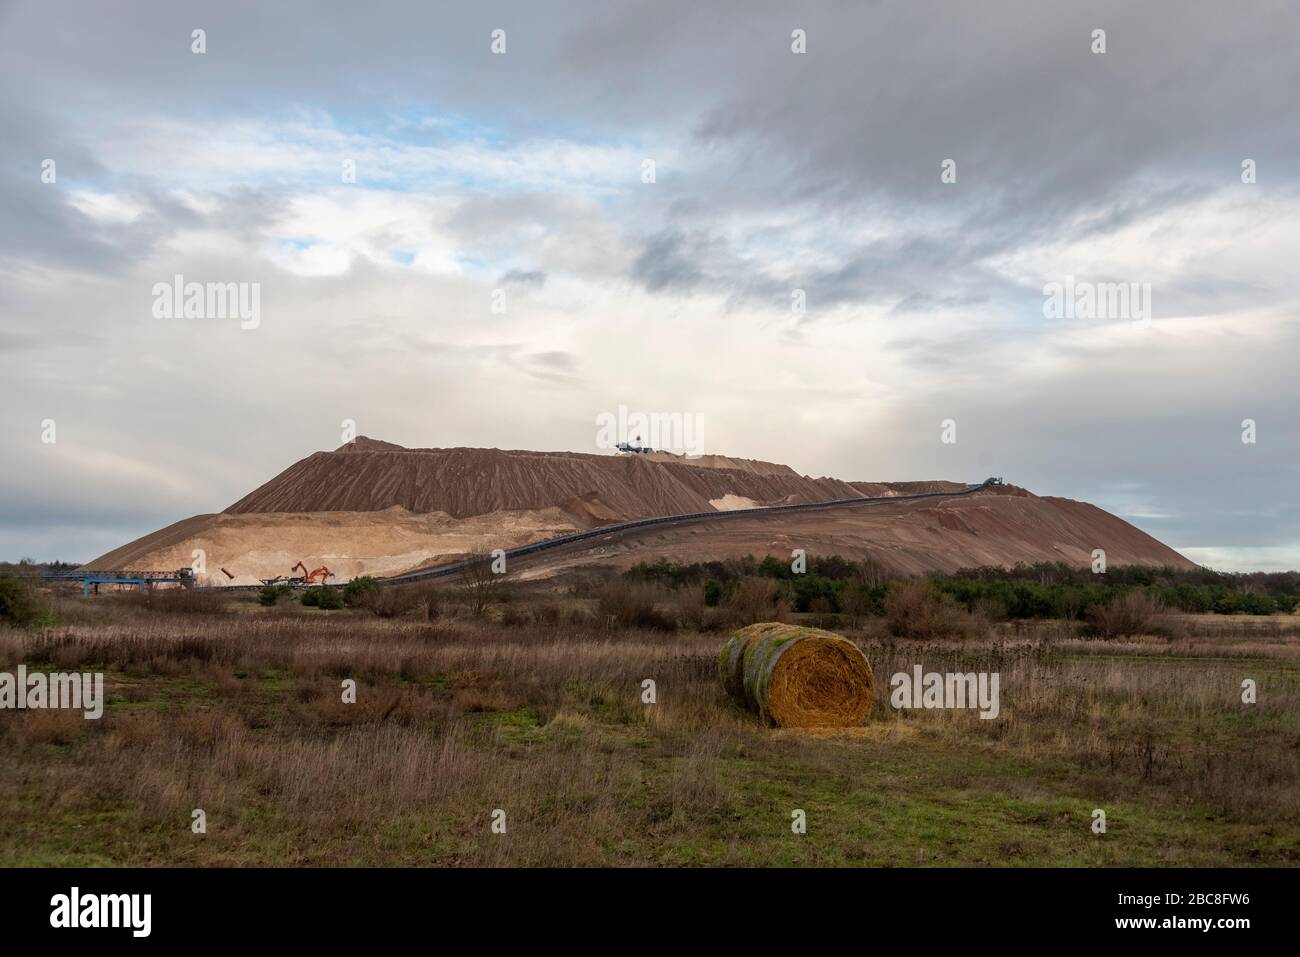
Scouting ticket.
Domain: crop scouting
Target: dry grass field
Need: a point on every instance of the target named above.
(535, 708)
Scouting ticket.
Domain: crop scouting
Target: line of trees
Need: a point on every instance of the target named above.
(1044, 590)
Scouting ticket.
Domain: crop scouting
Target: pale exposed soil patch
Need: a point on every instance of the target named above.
(731, 502)
(256, 546)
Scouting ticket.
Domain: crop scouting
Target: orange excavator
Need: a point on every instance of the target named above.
(317, 576)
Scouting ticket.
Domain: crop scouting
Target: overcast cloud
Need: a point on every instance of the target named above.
(517, 179)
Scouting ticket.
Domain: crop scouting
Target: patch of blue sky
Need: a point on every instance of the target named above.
(394, 141)
(418, 126)
(478, 266)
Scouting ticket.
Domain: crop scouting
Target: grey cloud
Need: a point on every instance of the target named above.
(37, 225)
(528, 279)
(554, 367)
(671, 260)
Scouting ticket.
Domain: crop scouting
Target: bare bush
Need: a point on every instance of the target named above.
(180, 601)
(392, 602)
(1132, 613)
(871, 572)
(631, 604)
(693, 613)
(915, 609)
(479, 585)
(754, 600)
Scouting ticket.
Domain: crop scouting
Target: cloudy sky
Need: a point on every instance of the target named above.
(518, 180)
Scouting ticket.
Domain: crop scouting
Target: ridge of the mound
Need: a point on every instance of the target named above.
(368, 475)
(755, 466)
(363, 443)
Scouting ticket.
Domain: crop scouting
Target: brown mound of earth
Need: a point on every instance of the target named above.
(376, 508)
(369, 476)
(1001, 526)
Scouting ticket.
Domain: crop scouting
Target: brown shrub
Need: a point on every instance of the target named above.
(519, 614)
(134, 729)
(479, 586)
(692, 612)
(371, 706)
(549, 614)
(512, 616)
(915, 609)
(49, 726)
(179, 601)
(631, 604)
(755, 600)
(823, 614)
(430, 601)
(389, 602)
(1132, 613)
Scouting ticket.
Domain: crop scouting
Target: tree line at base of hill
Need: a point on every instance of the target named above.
(1043, 590)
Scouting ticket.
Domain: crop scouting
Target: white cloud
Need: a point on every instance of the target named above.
(106, 207)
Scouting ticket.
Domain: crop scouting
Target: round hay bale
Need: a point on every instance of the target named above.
(731, 661)
(801, 677)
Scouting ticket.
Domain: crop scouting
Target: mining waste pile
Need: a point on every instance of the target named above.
(374, 508)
